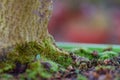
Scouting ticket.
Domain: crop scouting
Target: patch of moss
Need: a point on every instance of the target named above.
(6, 66)
(6, 77)
(36, 69)
(87, 53)
(51, 52)
(26, 53)
(104, 67)
(108, 55)
(83, 52)
(81, 77)
(32, 53)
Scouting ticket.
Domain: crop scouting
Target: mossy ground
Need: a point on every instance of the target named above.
(26, 60)
(32, 54)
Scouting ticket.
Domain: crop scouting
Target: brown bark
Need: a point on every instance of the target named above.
(23, 20)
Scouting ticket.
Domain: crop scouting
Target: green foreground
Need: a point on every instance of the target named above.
(33, 55)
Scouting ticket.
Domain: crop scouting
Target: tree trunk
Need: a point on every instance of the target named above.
(23, 20)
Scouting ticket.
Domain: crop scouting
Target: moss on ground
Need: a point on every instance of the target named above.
(95, 53)
(33, 54)
(26, 53)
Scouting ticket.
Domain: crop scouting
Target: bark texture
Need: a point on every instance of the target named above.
(23, 20)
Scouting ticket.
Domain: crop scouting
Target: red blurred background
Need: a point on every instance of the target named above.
(86, 21)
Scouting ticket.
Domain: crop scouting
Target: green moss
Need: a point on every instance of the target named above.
(54, 66)
(64, 60)
(51, 53)
(27, 52)
(104, 67)
(6, 77)
(36, 70)
(81, 77)
(33, 53)
(24, 52)
(6, 66)
(101, 54)
(108, 55)
(83, 52)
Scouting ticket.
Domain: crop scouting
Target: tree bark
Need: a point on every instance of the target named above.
(23, 20)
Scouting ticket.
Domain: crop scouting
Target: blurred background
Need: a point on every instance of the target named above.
(86, 21)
